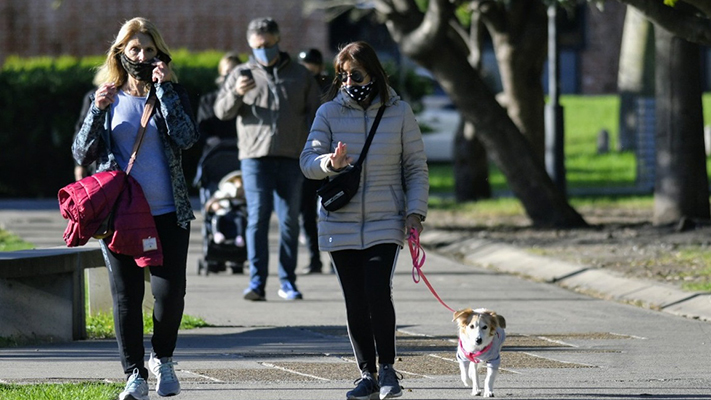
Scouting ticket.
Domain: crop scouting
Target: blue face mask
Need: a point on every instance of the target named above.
(266, 55)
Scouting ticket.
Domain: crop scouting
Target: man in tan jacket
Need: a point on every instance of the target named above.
(274, 99)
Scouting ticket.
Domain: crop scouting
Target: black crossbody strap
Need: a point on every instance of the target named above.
(369, 140)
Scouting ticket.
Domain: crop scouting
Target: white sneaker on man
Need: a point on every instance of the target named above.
(136, 388)
(162, 368)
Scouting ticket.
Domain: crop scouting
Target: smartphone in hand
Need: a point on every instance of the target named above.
(247, 73)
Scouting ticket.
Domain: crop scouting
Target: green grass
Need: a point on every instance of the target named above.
(101, 325)
(66, 391)
(697, 259)
(12, 242)
(584, 118)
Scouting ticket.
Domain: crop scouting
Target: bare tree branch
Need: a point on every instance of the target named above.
(702, 5)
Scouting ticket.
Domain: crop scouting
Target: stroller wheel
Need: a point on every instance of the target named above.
(215, 267)
(237, 268)
(201, 266)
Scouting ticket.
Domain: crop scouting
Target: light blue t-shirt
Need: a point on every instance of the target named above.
(151, 166)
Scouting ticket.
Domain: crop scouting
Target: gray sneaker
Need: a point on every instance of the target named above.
(162, 368)
(136, 388)
(366, 388)
(253, 295)
(389, 382)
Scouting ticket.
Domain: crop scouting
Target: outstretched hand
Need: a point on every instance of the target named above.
(339, 158)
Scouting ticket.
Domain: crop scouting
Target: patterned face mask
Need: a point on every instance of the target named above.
(359, 93)
(141, 71)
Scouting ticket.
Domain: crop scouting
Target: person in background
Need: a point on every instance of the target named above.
(213, 129)
(312, 59)
(80, 171)
(365, 236)
(215, 134)
(137, 63)
(274, 100)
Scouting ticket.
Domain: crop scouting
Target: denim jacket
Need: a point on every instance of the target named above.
(178, 131)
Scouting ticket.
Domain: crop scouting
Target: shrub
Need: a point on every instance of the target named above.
(40, 104)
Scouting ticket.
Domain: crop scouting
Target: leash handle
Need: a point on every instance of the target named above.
(418, 261)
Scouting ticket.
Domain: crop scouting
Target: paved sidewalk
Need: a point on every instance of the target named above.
(560, 344)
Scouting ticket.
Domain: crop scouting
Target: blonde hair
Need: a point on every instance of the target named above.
(111, 70)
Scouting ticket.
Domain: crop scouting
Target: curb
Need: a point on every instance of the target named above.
(588, 280)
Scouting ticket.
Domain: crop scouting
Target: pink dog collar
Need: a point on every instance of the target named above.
(474, 356)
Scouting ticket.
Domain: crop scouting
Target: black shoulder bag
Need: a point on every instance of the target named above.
(340, 189)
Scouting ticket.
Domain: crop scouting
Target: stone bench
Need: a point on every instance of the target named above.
(43, 292)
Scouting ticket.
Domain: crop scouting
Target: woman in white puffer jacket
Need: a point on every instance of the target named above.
(364, 237)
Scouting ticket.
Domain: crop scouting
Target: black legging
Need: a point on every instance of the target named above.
(168, 283)
(366, 280)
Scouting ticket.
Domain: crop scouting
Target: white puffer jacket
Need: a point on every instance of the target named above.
(376, 214)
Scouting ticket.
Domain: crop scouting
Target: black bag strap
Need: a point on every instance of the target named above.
(369, 140)
(147, 113)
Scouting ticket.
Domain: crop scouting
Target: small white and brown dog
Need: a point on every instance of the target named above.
(481, 335)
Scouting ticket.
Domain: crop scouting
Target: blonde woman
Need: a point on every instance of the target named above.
(138, 63)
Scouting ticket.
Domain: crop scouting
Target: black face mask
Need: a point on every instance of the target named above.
(141, 71)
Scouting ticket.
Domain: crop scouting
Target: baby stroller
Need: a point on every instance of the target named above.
(224, 209)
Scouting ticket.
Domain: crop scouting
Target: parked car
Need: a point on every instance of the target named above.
(439, 121)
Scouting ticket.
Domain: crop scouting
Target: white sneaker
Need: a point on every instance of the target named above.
(136, 388)
(162, 368)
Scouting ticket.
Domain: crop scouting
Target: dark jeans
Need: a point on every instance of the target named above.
(168, 283)
(366, 279)
(272, 184)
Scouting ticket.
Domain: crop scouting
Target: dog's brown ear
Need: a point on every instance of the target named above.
(501, 320)
(461, 314)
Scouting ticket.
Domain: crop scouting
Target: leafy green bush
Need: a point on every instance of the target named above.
(40, 102)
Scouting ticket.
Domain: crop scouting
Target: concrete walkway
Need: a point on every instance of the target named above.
(561, 344)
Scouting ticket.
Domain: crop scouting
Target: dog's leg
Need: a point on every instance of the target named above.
(474, 374)
(464, 372)
(489, 381)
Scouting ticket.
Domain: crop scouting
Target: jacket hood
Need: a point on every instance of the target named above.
(345, 100)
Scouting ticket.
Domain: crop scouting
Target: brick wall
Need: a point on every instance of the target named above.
(87, 27)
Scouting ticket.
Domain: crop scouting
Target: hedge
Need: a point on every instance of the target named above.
(40, 101)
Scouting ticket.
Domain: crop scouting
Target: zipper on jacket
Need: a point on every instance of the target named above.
(363, 174)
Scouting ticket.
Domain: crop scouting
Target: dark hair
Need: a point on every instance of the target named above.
(311, 56)
(262, 26)
(364, 55)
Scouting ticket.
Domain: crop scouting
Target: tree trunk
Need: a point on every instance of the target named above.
(518, 31)
(681, 184)
(635, 76)
(471, 165)
(430, 40)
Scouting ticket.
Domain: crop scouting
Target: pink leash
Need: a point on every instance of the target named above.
(418, 261)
